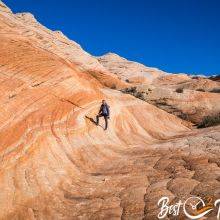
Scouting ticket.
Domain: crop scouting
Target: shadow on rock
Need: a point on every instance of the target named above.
(91, 119)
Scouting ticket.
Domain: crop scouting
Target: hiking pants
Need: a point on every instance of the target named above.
(105, 117)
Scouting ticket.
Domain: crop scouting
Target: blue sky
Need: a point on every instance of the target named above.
(173, 35)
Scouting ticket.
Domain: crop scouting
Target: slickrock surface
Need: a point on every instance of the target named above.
(190, 98)
(55, 163)
(186, 82)
(200, 97)
(128, 70)
(188, 104)
(24, 25)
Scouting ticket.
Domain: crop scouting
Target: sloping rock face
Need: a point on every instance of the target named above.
(190, 98)
(199, 97)
(57, 164)
(187, 104)
(184, 81)
(4, 8)
(25, 25)
(130, 71)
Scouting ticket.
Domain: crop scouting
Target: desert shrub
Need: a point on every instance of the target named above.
(133, 91)
(179, 90)
(215, 90)
(184, 116)
(130, 90)
(209, 121)
(113, 86)
(195, 77)
(140, 95)
(200, 90)
(127, 80)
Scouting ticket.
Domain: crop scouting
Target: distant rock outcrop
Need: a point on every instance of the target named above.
(129, 71)
(190, 105)
(4, 8)
(184, 81)
(191, 98)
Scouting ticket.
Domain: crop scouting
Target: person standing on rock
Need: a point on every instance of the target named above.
(103, 112)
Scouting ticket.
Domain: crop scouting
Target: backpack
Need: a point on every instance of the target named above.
(105, 109)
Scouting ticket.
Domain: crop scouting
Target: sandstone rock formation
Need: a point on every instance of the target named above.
(190, 105)
(187, 104)
(129, 71)
(57, 164)
(184, 81)
(199, 98)
(26, 26)
(190, 98)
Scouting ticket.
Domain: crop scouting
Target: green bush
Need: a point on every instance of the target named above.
(209, 121)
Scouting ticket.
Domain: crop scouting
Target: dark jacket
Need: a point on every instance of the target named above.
(104, 110)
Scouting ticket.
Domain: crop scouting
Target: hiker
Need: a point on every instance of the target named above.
(103, 112)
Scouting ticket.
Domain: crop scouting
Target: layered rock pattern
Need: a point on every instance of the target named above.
(190, 105)
(25, 25)
(198, 97)
(129, 71)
